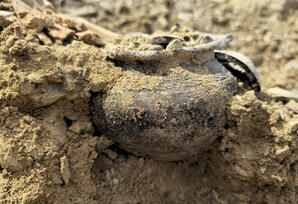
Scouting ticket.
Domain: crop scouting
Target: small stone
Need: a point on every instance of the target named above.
(90, 37)
(108, 175)
(60, 33)
(111, 154)
(281, 114)
(176, 28)
(10, 42)
(156, 47)
(258, 60)
(115, 181)
(97, 84)
(175, 45)
(22, 14)
(249, 98)
(292, 65)
(257, 104)
(53, 93)
(293, 106)
(103, 143)
(241, 171)
(26, 88)
(294, 126)
(35, 23)
(71, 96)
(11, 163)
(55, 178)
(151, 186)
(64, 169)
(181, 196)
(18, 29)
(44, 39)
(81, 126)
(93, 155)
(133, 45)
(278, 178)
(35, 77)
(5, 13)
(29, 161)
(282, 150)
(239, 99)
(282, 94)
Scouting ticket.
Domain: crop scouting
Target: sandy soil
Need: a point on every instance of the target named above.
(51, 152)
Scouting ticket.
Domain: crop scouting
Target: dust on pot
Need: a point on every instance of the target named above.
(172, 100)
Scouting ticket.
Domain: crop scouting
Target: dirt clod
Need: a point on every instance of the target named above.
(90, 38)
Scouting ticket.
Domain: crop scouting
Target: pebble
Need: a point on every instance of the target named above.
(293, 106)
(239, 99)
(182, 196)
(35, 23)
(278, 178)
(156, 47)
(175, 45)
(90, 37)
(103, 143)
(294, 126)
(282, 150)
(282, 94)
(60, 33)
(10, 42)
(292, 65)
(29, 160)
(52, 94)
(98, 84)
(64, 169)
(5, 13)
(44, 39)
(36, 77)
(112, 155)
(258, 60)
(281, 114)
(115, 181)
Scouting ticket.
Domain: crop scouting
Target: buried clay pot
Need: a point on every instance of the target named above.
(172, 100)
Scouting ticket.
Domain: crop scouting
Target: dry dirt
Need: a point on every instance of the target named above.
(50, 151)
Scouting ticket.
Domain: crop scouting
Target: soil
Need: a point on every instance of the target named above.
(51, 152)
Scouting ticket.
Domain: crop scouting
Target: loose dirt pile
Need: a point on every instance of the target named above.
(50, 67)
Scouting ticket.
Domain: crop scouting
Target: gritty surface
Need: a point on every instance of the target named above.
(50, 150)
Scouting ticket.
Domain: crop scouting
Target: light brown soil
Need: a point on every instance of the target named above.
(50, 152)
